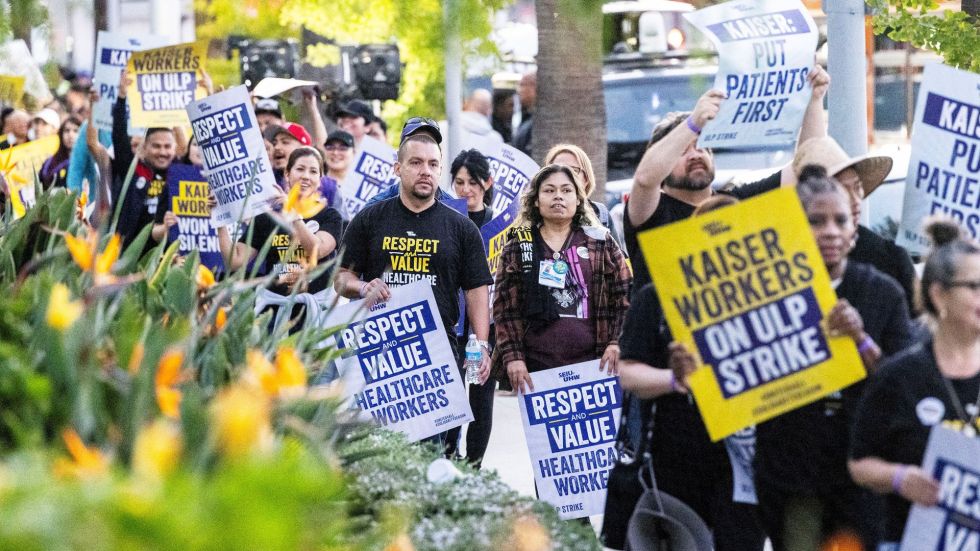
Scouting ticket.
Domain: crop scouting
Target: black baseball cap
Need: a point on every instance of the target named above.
(356, 108)
(340, 136)
(416, 125)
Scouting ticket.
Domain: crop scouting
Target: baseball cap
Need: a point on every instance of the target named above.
(416, 125)
(268, 105)
(49, 116)
(340, 136)
(290, 128)
(356, 108)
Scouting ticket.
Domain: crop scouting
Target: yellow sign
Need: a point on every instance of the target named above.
(164, 81)
(20, 164)
(192, 200)
(747, 292)
(11, 88)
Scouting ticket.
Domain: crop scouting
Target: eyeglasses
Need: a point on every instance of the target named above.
(337, 147)
(971, 285)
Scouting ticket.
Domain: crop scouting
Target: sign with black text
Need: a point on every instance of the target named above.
(570, 422)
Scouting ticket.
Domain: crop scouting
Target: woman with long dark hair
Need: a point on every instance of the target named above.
(54, 171)
(572, 289)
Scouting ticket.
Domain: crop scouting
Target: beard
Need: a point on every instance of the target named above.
(689, 183)
(423, 195)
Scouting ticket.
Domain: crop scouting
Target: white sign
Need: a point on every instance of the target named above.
(111, 54)
(945, 161)
(16, 60)
(741, 451)
(766, 49)
(570, 422)
(398, 365)
(371, 174)
(239, 172)
(273, 86)
(953, 460)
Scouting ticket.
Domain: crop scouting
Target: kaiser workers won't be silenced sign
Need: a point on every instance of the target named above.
(748, 293)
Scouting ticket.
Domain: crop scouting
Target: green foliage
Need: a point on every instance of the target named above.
(951, 34)
(416, 26)
(24, 15)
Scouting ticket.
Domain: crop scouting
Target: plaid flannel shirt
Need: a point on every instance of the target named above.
(608, 295)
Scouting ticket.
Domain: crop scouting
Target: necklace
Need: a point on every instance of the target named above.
(968, 414)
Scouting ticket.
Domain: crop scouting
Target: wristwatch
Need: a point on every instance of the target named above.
(486, 345)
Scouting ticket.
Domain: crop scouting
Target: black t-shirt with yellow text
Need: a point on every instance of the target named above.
(387, 240)
(280, 259)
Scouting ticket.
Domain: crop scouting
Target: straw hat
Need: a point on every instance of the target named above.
(826, 152)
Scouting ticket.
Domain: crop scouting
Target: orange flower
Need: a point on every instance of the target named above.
(85, 462)
(285, 378)
(240, 419)
(167, 377)
(85, 254)
(220, 318)
(304, 207)
(136, 358)
(157, 449)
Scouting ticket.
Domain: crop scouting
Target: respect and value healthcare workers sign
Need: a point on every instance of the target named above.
(766, 49)
(239, 172)
(747, 293)
(953, 460)
(945, 160)
(398, 365)
(570, 422)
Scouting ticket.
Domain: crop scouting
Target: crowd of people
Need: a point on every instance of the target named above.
(566, 293)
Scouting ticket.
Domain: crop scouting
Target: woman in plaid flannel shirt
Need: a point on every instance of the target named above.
(562, 288)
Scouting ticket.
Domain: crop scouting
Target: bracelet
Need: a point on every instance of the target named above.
(361, 291)
(485, 344)
(674, 387)
(898, 478)
(693, 127)
(866, 343)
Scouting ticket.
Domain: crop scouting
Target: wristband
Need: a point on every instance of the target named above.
(361, 291)
(693, 127)
(866, 343)
(898, 478)
(674, 387)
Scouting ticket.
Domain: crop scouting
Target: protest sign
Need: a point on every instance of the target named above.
(11, 89)
(741, 452)
(164, 81)
(189, 201)
(945, 160)
(111, 56)
(953, 460)
(747, 293)
(570, 422)
(372, 173)
(766, 49)
(16, 60)
(20, 165)
(400, 352)
(239, 172)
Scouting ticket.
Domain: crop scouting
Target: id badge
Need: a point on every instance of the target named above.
(549, 276)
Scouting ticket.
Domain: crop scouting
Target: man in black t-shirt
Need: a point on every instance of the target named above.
(413, 237)
(674, 176)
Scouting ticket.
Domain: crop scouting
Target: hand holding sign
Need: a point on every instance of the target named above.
(681, 364)
(917, 486)
(706, 109)
(520, 379)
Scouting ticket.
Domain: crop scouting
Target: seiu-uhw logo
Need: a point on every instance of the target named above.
(716, 227)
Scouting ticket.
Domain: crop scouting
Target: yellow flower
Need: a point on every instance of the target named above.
(290, 373)
(104, 262)
(167, 377)
(85, 462)
(287, 377)
(527, 534)
(157, 449)
(62, 311)
(304, 207)
(240, 420)
(82, 250)
(205, 277)
(136, 358)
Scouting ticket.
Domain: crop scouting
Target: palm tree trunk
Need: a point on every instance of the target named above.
(570, 106)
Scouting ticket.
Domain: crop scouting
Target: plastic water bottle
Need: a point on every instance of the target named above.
(474, 353)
